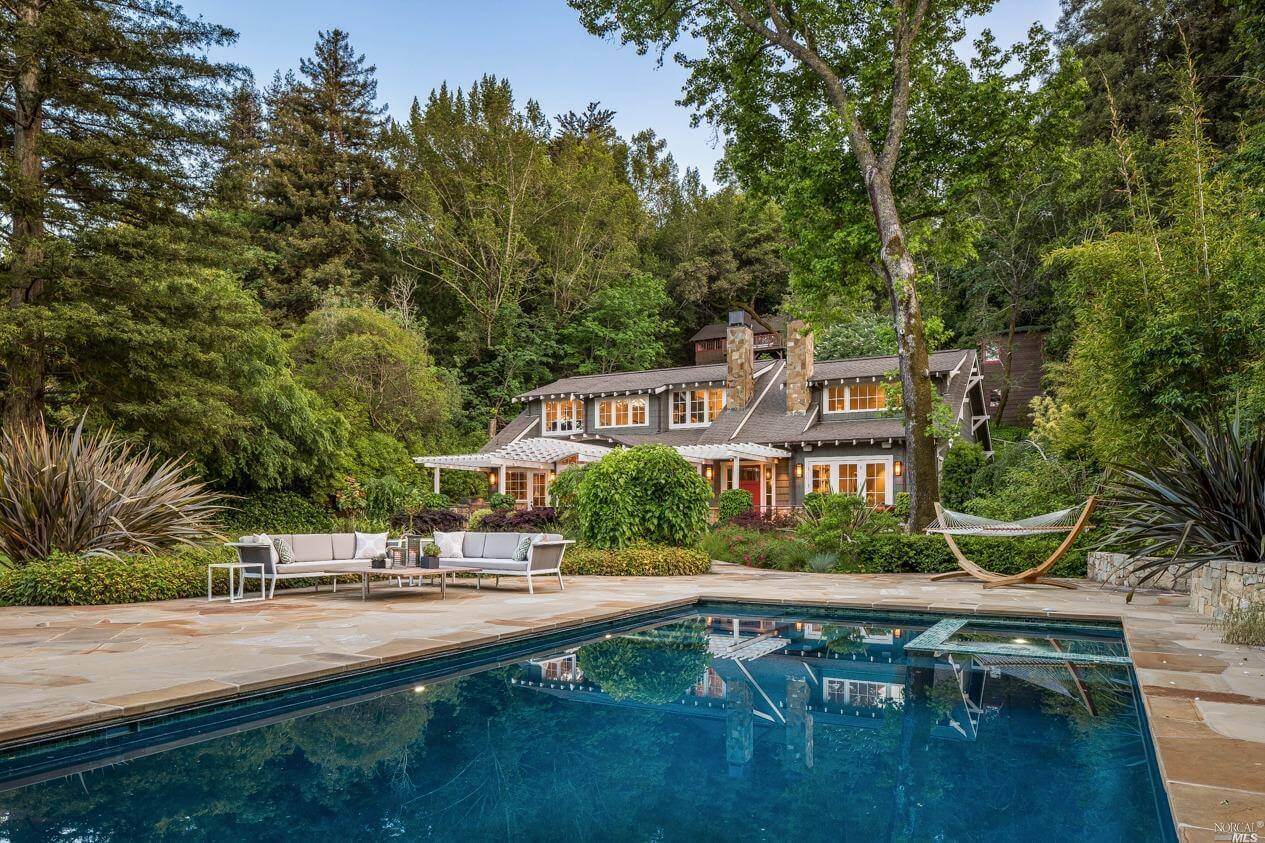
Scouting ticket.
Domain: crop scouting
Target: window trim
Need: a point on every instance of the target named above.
(891, 691)
(545, 431)
(707, 406)
(597, 417)
(847, 398)
(887, 460)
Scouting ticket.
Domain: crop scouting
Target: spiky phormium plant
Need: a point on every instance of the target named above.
(1194, 499)
(94, 494)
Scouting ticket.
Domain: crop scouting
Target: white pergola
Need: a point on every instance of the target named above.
(544, 453)
(540, 453)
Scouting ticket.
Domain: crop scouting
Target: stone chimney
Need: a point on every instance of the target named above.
(799, 366)
(739, 361)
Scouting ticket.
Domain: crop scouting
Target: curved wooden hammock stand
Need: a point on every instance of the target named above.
(1034, 575)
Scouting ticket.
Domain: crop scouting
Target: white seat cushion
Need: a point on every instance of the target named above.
(502, 565)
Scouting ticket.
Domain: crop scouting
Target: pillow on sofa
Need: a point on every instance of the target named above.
(264, 538)
(449, 544)
(370, 545)
(284, 554)
(524, 546)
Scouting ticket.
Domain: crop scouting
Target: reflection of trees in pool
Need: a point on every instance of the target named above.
(656, 666)
(266, 783)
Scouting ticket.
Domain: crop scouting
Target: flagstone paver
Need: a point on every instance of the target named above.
(64, 668)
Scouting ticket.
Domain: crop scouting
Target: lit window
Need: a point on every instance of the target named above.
(516, 485)
(622, 412)
(711, 685)
(847, 478)
(562, 669)
(821, 478)
(693, 407)
(539, 483)
(875, 483)
(856, 398)
(836, 399)
(860, 694)
(565, 416)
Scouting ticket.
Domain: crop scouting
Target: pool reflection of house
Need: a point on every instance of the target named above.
(847, 675)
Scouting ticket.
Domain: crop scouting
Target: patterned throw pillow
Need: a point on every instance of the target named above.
(370, 545)
(284, 554)
(524, 547)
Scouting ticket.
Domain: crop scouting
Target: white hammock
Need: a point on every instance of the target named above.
(952, 523)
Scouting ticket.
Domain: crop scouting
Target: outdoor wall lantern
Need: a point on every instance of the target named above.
(552, 475)
(799, 470)
(898, 468)
(492, 477)
(709, 471)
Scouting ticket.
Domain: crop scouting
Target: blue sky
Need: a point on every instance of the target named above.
(538, 44)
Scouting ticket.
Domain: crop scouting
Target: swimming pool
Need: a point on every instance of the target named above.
(723, 721)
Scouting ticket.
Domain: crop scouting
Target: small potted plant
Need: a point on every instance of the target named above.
(430, 556)
(379, 561)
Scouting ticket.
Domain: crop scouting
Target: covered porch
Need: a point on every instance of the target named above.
(762, 470)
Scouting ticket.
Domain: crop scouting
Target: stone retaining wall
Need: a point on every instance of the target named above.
(1219, 587)
(1110, 569)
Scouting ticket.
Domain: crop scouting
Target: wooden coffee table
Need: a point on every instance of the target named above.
(367, 572)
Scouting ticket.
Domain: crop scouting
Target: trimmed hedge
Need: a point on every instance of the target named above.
(75, 581)
(635, 561)
(922, 554)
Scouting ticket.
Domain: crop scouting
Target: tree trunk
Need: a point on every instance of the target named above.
(921, 469)
(24, 392)
(1008, 366)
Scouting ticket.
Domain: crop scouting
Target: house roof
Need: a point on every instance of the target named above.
(718, 330)
(512, 432)
(651, 380)
(939, 362)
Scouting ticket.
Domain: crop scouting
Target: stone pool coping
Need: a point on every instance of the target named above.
(67, 668)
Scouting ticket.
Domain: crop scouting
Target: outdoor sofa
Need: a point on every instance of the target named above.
(316, 556)
(493, 554)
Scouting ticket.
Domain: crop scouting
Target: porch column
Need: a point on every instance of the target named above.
(500, 480)
(437, 480)
(773, 484)
(734, 483)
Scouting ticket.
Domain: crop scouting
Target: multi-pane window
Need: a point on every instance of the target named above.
(696, 406)
(867, 478)
(622, 412)
(564, 416)
(711, 685)
(855, 398)
(821, 478)
(847, 478)
(875, 483)
(516, 485)
(539, 486)
(857, 693)
(563, 669)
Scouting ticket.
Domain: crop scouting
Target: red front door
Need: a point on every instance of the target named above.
(749, 479)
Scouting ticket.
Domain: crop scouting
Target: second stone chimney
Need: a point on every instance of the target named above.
(799, 366)
(739, 361)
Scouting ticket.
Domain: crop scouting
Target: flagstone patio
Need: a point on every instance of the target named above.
(62, 668)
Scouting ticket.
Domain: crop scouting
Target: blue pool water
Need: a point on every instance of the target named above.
(732, 724)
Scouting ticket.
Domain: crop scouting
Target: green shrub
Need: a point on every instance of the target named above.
(276, 512)
(1245, 625)
(900, 506)
(434, 500)
(635, 561)
(957, 477)
(500, 500)
(922, 554)
(476, 518)
(756, 548)
(563, 492)
(91, 581)
(838, 519)
(822, 563)
(649, 493)
(732, 503)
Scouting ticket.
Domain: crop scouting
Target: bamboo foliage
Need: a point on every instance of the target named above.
(1195, 499)
(94, 494)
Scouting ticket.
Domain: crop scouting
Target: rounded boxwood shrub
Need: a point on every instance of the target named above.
(732, 503)
(654, 667)
(645, 494)
(500, 500)
(636, 561)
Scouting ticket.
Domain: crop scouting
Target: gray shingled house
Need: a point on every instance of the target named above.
(778, 428)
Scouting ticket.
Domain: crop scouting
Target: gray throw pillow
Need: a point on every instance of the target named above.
(524, 547)
(284, 554)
